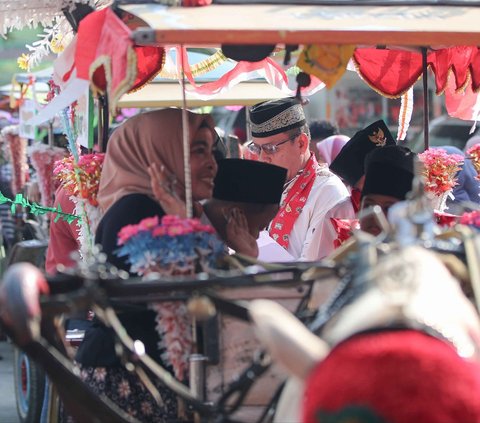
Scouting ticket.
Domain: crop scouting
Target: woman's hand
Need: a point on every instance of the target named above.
(238, 235)
(163, 187)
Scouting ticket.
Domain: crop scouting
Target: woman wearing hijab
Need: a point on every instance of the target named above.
(126, 197)
(329, 148)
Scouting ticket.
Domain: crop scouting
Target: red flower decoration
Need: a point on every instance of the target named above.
(344, 229)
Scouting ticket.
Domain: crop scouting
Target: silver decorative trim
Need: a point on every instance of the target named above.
(290, 116)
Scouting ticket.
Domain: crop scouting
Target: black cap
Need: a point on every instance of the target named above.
(349, 164)
(276, 116)
(247, 52)
(389, 171)
(249, 181)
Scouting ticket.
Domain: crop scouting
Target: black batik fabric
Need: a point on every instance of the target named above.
(125, 389)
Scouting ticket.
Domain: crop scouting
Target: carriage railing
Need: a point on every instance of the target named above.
(100, 289)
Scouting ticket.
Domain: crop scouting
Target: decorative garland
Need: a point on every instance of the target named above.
(57, 32)
(171, 247)
(43, 158)
(80, 177)
(81, 180)
(473, 153)
(200, 68)
(17, 147)
(37, 209)
(440, 169)
(471, 219)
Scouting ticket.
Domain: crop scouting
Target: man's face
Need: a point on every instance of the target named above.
(369, 224)
(288, 151)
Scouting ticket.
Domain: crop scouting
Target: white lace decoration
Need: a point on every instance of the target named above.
(20, 14)
(290, 116)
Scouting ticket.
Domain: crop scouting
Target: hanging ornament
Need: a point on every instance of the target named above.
(327, 62)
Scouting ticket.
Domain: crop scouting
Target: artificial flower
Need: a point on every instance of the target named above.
(446, 219)
(43, 158)
(344, 229)
(471, 219)
(23, 61)
(81, 179)
(440, 169)
(17, 151)
(53, 90)
(56, 44)
(171, 246)
(170, 242)
(473, 154)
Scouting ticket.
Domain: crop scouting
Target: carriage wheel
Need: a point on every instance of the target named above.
(29, 387)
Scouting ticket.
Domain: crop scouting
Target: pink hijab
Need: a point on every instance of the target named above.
(331, 146)
(154, 136)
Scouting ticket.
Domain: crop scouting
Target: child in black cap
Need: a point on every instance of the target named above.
(246, 194)
(389, 175)
(349, 163)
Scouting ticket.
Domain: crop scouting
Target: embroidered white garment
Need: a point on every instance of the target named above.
(312, 237)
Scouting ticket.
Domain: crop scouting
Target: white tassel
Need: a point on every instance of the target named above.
(475, 115)
(405, 114)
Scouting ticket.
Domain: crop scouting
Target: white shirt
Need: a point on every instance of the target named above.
(312, 237)
(270, 251)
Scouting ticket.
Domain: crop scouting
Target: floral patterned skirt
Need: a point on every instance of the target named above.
(126, 390)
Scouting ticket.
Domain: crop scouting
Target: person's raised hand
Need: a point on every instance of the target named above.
(164, 191)
(238, 235)
(163, 187)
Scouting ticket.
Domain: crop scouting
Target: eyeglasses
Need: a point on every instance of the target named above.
(269, 148)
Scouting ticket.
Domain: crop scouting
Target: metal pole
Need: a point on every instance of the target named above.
(106, 121)
(425, 98)
(186, 140)
(100, 124)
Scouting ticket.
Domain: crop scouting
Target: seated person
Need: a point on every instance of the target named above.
(246, 197)
(349, 163)
(63, 236)
(248, 191)
(389, 173)
(330, 147)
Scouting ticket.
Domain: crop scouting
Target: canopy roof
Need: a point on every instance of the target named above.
(167, 94)
(395, 23)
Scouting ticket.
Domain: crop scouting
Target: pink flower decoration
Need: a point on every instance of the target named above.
(127, 232)
(473, 153)
(471, 219)
(81, 179)
(43, 158)
(440, 170)
(148, 223)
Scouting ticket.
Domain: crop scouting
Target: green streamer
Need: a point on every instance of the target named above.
(38, 209)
